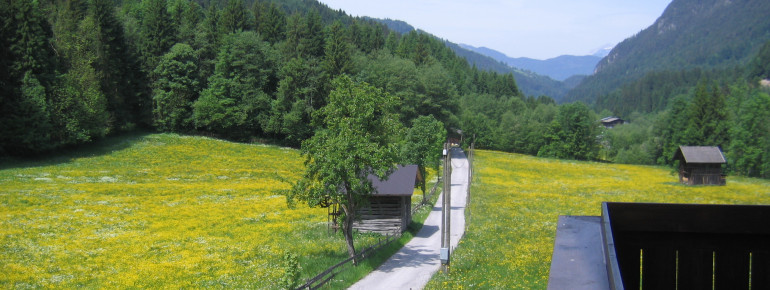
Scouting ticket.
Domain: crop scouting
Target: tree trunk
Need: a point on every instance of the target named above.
(347, 231)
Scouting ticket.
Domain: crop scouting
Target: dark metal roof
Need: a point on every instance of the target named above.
(578, 254)
(701, 154)
(398, 183)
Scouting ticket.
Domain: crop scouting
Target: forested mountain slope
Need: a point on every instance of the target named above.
(691, 40)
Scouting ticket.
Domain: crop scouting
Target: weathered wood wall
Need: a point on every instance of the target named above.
(385, 214)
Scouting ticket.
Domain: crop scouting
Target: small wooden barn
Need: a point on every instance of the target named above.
(610, 122)
(700, 165)
(390, 207)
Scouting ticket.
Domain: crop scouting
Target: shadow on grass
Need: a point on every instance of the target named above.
(100, 147)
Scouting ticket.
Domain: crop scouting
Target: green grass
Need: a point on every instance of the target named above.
(159, 211)
(516, 201)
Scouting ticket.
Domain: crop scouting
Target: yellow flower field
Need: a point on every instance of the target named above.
(159, 211)
(516, 201)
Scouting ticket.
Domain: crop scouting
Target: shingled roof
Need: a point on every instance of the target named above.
(399, 183)
(700, 154)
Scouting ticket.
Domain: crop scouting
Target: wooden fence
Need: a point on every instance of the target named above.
(326, 276)
(426, 200)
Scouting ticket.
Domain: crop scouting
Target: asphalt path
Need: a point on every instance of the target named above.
(413, 265)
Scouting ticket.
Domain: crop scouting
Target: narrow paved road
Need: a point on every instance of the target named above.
(413, 265)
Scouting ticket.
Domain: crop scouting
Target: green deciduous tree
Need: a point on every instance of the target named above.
(423, 144)
(175, 89)
(573, 134)
(357, 139)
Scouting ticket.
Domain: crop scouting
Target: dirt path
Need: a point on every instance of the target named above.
(413, 265)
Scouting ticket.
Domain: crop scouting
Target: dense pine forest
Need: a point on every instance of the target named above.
(74, 71)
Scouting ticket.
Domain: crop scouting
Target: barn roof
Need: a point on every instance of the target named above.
(610, 119)
(700, 154)
(398, 183)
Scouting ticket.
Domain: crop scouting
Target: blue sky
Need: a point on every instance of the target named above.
(538, 29)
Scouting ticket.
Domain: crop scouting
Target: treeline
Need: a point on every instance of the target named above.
(77, 70)
(735, 117)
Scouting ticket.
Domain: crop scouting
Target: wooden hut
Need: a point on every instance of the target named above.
(390, 207)
(610, 122)
(700, 165)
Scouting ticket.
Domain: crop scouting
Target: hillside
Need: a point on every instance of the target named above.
(559, 68)
(693, 37)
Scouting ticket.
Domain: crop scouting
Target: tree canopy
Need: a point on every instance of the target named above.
(358, 138)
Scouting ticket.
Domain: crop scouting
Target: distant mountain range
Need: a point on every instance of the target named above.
(529, 82)
(559, 68)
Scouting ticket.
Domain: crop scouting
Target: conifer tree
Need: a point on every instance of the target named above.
(157, 34)
(235, 103)
(337, 51)
(233, 18)
(115, 66)
(707, 117)
(313, 42)
(272, 22)
(30, 70)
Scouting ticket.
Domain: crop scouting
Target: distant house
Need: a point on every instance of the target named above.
(610, 122)
(390, 207)
(700, 165)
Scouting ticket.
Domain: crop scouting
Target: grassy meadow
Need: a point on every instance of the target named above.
(516, 201)
(159, 211)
